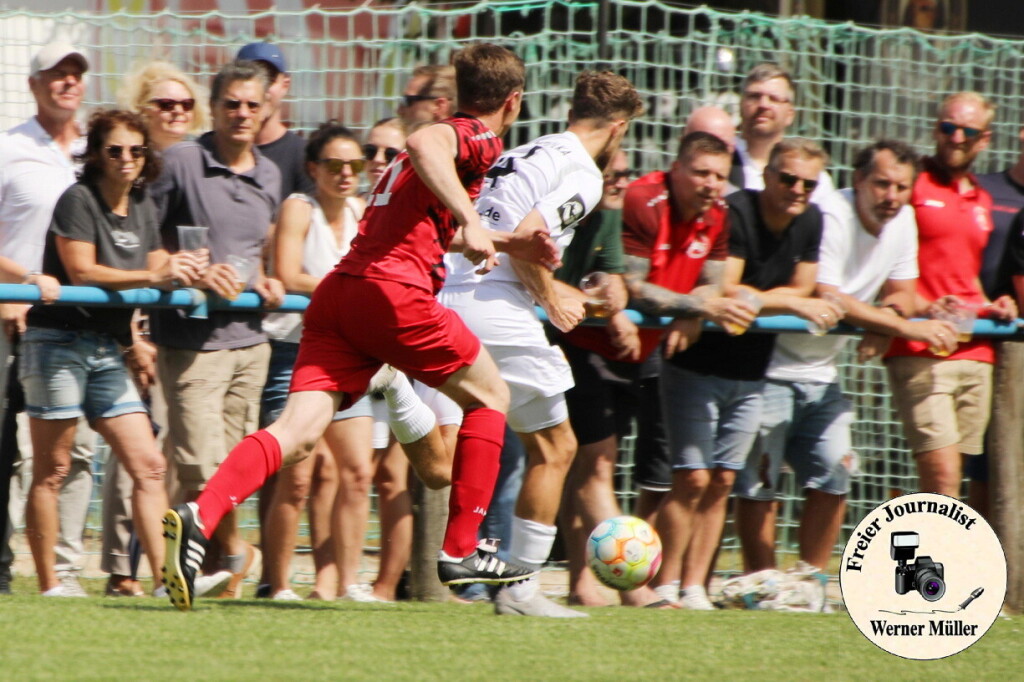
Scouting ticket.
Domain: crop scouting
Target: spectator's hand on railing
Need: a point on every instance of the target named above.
(1003, 308)
(683, 333)
(221, 279)
(873, 345)
(821, 311)
(13, 316)
(728, 313)
(565, 313)
(624, 336)
(49, 287)
(270, 290)
(944, 304)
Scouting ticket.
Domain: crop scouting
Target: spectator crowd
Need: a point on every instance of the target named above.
(180, 186)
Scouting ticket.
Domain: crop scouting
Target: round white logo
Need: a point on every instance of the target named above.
(923, 576)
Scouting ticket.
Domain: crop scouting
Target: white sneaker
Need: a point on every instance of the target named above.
(212, 584)
(669, 593)
(160, 592)
(286, 595)
(695, 598)
(362, 593)
(537, 605)
(63, 591)
(69, 581)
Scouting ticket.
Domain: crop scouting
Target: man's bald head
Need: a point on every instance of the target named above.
(715, 121)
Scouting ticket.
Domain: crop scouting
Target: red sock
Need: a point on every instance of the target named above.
(250, 463)
(474, 473)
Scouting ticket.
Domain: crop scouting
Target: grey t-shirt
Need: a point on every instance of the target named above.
(122, 242)
(197, 189)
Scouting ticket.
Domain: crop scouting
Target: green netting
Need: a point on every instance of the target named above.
(854, 84)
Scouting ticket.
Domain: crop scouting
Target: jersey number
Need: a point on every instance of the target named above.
(383, 197)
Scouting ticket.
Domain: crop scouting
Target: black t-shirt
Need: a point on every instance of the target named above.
(122, 242)
(1007, 202)
(770, 263)
(288, 153)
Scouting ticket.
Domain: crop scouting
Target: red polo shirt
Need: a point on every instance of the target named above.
(952, 231)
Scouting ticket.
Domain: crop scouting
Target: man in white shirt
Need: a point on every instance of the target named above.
(554, 181)
(36, 166)
(767, 110)
(868, 246)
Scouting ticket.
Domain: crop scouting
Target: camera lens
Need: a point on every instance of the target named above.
(930, 585)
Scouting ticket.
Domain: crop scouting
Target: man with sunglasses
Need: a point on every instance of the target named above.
(944, 400)
(274, 140)
(36, 166)
(212, 370)
(429, 96)
(767, 109)
(712, 390)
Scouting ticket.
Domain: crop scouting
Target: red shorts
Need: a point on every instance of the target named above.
(353, 325)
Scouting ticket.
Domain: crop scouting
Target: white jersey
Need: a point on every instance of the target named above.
(753, 175)
(553, 174)
(858, 264)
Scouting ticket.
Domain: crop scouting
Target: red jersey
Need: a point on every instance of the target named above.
(952, 232)
(677, 249)
(406, 229)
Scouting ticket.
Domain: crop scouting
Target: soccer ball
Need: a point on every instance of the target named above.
(624, 552)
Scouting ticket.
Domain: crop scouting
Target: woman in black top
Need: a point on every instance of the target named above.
(103, 233)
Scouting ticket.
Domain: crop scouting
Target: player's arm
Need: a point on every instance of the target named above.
(565, 312)
(432, 152)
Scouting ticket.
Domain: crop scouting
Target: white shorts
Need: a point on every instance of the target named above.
(502, 316)
(381, 429)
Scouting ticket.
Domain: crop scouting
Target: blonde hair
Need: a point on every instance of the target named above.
(988, 108)
(139, 84)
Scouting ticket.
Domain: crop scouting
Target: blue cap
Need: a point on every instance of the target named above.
(264, 52)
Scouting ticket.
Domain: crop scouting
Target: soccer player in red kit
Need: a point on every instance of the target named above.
(378, 306)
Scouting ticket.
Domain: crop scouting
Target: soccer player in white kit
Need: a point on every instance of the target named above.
(553, 181)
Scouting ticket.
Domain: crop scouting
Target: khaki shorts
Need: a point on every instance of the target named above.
(213, 401)
(942, 402)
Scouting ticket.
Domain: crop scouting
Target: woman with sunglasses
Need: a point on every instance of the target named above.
(383, 143)
(313, 233)
(103, 233)
(171, 103)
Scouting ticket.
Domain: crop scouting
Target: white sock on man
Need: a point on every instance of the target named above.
(409, 417)
(531, 546)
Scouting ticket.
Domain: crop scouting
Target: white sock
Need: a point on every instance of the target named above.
(695, 591)
(409, 417)
(530, 546)
(668, 592)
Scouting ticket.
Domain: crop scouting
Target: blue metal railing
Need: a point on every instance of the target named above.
(198, 304)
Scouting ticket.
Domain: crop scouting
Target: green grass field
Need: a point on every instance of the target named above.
(145, 639)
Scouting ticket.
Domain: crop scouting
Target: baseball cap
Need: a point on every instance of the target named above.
(264, 52)
(53, 53)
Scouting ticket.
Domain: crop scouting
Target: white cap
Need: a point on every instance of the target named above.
(53, 54)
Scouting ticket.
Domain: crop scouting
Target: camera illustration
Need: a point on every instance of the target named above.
(923, 575)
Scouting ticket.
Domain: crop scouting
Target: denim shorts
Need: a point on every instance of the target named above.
(710, 422)
(808, 425)
(68, 374)
(279, 379)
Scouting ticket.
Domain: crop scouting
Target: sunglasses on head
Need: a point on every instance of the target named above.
(790, 180)
(236, 104)
(370, 152)
(409, 100)
(168, 104)
(115, 151)
(335, 166)
(949, 128)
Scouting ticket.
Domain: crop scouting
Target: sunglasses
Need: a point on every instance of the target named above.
(335, 166)
(790, 180)
(614, 176)
(236, 104)
(370, 152)
(167, 104)
(115, 151)
(409, 100)
(949, 129)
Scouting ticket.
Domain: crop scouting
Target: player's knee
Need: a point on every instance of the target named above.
(436, 476)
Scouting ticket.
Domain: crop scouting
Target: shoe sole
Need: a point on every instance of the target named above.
(172, 574)
(489, 581)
